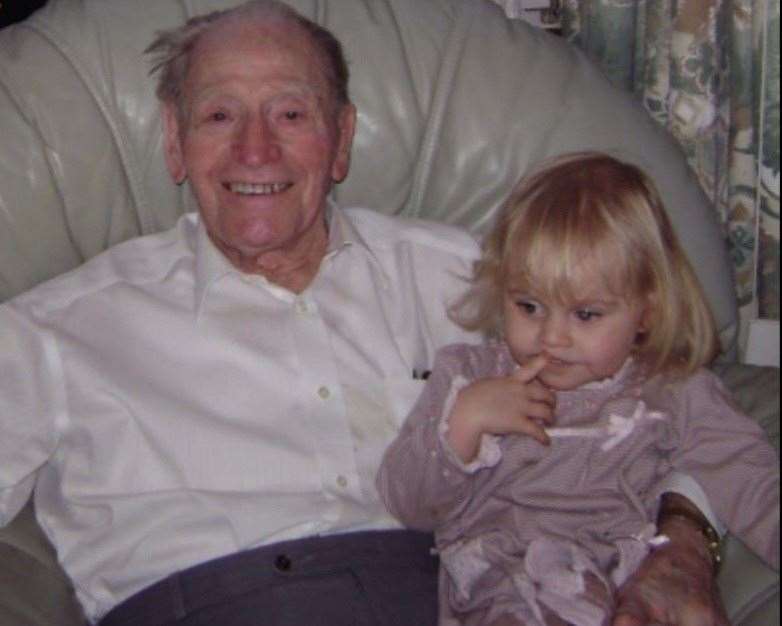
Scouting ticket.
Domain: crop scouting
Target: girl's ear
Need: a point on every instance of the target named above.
(647, 315)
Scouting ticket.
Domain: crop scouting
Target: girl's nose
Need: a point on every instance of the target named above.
(555, 331)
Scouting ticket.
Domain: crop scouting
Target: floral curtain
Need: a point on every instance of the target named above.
(707, 70)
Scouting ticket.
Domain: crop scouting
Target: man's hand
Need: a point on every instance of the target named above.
(675, 585)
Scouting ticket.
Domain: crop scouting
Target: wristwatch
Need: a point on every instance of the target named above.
(712, 537)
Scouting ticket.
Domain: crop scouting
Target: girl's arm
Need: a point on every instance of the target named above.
(729, 455)
(420, 480)
(450, 441)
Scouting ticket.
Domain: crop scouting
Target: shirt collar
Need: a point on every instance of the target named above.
(211, 265)
(343, 234)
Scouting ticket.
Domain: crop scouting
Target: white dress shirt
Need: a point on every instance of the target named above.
(169, 409)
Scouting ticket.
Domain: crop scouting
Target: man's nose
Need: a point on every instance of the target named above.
(256, 143)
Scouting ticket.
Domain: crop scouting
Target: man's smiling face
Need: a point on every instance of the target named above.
(261, 139)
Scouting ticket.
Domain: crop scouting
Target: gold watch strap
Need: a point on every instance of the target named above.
(713, 539)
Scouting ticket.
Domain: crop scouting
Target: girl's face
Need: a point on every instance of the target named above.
(585, 339)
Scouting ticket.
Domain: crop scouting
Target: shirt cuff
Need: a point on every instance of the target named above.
(686, 486)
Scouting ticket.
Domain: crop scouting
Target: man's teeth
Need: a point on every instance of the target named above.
(253, 189)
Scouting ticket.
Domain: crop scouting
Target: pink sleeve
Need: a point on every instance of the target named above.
(489, 453)
(420, 480)
(730, 457)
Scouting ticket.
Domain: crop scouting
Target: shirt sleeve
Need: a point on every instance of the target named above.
(729, 456)
(420, 480)
(30, 399)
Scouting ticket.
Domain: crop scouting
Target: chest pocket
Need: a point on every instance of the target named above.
(401, 394)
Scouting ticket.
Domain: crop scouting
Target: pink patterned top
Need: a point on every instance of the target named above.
(522, 525)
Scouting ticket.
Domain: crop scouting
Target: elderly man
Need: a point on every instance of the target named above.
(202, 411)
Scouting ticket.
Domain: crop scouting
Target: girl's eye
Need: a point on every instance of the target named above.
(292, 116)
(586, 315)
(217, 116)
(528, 307)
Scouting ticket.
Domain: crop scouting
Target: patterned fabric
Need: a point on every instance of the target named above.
(708, 71)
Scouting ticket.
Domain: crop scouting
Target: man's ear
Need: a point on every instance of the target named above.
(346, 127)
(172, 145)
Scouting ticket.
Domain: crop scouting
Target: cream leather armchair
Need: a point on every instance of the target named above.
(454, 101)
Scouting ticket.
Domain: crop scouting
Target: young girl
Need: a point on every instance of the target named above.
(535, 458)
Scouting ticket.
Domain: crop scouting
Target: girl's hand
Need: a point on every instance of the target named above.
(516, 404)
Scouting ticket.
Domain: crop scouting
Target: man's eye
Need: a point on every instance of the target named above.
(292, 115)
(217, 116)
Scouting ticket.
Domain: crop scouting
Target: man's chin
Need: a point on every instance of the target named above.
(245, 252)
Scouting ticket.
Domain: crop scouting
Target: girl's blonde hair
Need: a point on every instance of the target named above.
(584, 211)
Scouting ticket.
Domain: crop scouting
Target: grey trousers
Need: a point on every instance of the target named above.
(382, 578)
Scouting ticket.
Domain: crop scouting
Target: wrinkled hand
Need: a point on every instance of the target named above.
(675, 585)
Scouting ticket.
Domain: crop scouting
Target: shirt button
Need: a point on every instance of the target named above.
(324, 392)
(342, 481)
(282, 563)
(301, 307)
